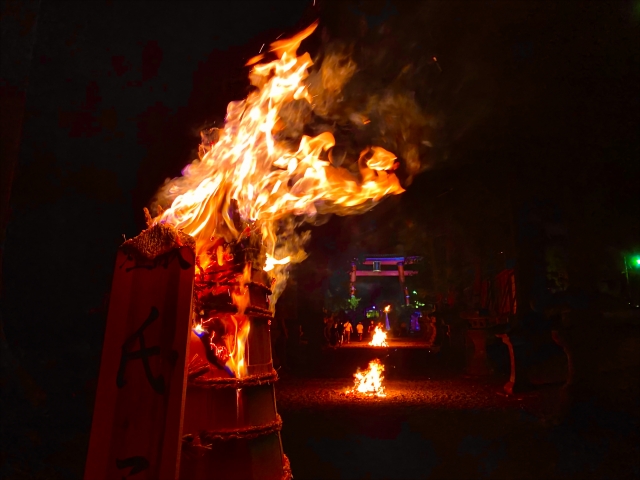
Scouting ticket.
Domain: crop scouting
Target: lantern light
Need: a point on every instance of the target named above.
(633, 261)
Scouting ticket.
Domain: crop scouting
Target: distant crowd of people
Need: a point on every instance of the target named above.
(338, 329)
(292, 350)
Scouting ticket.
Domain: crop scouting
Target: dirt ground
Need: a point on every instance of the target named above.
(452, 427)
(406, 342)
(434, 422)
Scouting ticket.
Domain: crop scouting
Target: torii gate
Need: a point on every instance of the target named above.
(377, 263)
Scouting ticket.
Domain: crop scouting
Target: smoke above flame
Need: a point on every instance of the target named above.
(276, 162)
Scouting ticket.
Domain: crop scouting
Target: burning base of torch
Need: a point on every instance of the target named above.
(368, 383)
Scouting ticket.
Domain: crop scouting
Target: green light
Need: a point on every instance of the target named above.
(415, 293)
(637, 263)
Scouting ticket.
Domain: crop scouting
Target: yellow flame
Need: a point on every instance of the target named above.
(271, 262)
(236, 346)
(379, 338)
(270, 181)
(369, 381)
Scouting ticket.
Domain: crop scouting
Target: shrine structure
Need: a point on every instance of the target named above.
(384, 266)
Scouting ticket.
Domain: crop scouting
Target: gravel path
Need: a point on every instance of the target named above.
(451, 429)
(461, 393)
(392, 343)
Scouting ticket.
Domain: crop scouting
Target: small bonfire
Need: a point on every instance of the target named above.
(379, 338)
(368, 383)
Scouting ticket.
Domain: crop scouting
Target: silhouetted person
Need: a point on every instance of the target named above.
(328, 323)
(403, 329)
(333, 336)
(359, 329)
(348, 328)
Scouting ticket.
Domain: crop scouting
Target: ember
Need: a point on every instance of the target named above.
(379, 338)
(369, 382)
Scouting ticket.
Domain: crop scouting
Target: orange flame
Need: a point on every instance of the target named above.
(274, 184)
(369, 382)
(236, 345)
(268, 179)
(379, 338)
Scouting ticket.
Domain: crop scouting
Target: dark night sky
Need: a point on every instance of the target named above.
(541, 94)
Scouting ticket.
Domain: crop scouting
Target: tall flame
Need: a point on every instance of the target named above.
(273, 183)
(268, 178)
